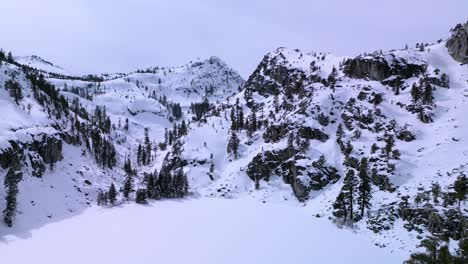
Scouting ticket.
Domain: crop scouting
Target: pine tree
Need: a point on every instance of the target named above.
(212, 167)
(128, 186)
(10, 58)
(349, 185)
(427, 94)
(147, 147)
(253, 121)
(140, 155)
(140, 196)
(348, 149)
(11, 182)
(291, 141)
(339, 207)
(364, 188)
(105, 198)
(112, 194)
(389, 144)
(240, 120)
(340, 132)
(276, 103)
(180, 184)
(233, 145)
(461, 186)
(415, 92)
(126, 124)
(374, 148)
(100, 197)
(233, 120)
(150, 186)
(332, 78)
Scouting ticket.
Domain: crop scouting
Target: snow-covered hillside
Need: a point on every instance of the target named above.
(372, 144)
(39, 63)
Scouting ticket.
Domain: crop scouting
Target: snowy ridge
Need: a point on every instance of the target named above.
(39, 63)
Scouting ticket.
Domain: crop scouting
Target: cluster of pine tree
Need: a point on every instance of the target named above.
(251, 124)
(356, 193)
(200, 109)
(171, 136)
(103, 149)
(438, 252)
(15, 89)
(47, 95)
(7, 57)
(422, 98)
(109, 196)
(144, 151)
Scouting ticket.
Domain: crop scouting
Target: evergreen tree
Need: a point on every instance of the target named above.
(374, 148)
(348, 148)
(253, 121)
(112, 194)
(140, 155)
(212, 167)
(180, 184)
(140, 196)
(147, 147)
(126, 124)
(461, 186)
(364, 188)
(340, 132)
(233, 145)
(10, 58)
(276, 103)
(128, 186)
(339, 207)
(11, 183)
(349, 185)
(389, 144)
(332, 78)
(105, 198)
(100, 197)
(240, 120)
(427, 94)
(415, 92)
(233, 120)
(150, 186)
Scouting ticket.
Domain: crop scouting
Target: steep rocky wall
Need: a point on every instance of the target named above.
(457, 44)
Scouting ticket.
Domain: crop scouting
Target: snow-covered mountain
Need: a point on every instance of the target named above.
(373, 143)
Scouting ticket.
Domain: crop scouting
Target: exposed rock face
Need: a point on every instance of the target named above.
(457, 44)
(48, 150)
(375, 69)
(312, 133)
(295, 169)
(378, 68)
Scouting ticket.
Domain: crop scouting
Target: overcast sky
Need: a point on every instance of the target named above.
(88, 36)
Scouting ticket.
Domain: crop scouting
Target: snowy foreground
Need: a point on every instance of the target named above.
(193, 231)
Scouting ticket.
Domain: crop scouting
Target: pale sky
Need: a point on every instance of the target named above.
(90, 36)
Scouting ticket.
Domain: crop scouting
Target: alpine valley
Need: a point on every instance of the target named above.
(315, 158)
